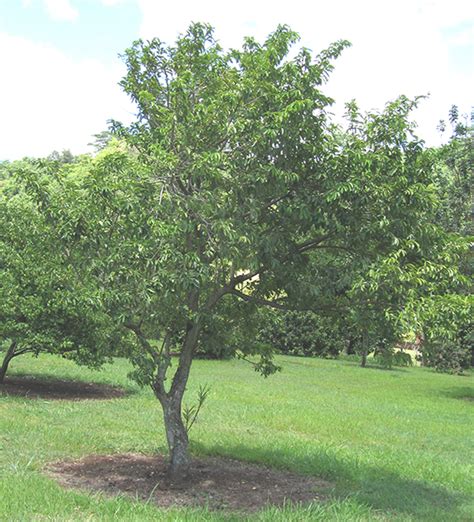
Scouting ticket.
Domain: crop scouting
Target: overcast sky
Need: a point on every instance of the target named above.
(60, 67)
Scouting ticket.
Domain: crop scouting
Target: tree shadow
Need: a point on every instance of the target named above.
(374, 366)
(50, 387)
(369, 366)
(465, 393)
(379, 488)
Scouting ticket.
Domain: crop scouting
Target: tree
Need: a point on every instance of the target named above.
(211, 200)
(225, 139)
(233, 183)
(65, 156)
(389, 255)
(102, 139)
(454, 178)
(46, 302)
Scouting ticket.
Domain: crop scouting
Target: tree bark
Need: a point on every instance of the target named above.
(365, 338)
(177, 438)
(171, 402)
(350, 349)
(6, 361)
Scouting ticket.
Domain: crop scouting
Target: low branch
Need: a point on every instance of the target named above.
(143, 341)
(21, 352)
(163, 365)
(259, 301)
(181, 375)
(335, 247)
(311, 243)
(244, 277)
(229, 288)
(279, 306)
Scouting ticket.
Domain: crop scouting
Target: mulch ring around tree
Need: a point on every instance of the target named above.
(58, 389)
(217, 483)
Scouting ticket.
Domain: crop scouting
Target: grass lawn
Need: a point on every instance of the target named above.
(397, 445)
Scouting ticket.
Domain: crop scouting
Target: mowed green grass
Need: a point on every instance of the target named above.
(396, 445)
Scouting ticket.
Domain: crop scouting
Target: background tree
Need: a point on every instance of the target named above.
(370, 277)
(101, 140)
(46, 302)
(65, 156)
(454, 179)
(303, 333)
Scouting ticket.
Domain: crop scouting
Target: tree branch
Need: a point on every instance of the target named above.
(236, 280)
(258, 300)
(279, 306)
(311, 243)
(143, 341)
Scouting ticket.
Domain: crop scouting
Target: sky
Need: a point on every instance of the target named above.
(60, 64)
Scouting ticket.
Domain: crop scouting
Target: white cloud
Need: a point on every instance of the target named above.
(112, 3)
(51, 102)
(446, 14)
(64, 10)
(398, 46)
(463, 37)
(61, 10)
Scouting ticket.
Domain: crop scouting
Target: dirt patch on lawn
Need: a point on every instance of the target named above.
(213, 482)
(56, 389)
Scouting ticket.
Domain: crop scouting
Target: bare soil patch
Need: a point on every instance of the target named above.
(57, 389)
(213, 482)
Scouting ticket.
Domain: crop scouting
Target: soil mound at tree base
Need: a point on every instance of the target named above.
(213, 482)
(56, 389)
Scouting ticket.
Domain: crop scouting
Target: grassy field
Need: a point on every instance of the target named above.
(397, 445)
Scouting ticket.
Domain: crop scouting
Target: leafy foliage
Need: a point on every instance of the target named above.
(303, 333)
(448, 324)
(450, 355)
(46, 303)
(390, 357)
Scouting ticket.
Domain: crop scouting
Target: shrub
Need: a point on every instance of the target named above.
(302, 333)
(450, 355)
(390, 357)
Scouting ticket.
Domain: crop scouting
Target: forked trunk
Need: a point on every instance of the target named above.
(177, 437)
(171, 401)
(6, 361)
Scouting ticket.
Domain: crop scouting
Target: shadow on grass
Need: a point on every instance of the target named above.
(374, 366)
(50, 387)
(349, 362)
(465, 393)
(377, 488)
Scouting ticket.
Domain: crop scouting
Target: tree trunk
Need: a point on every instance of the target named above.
(6, 361)
(177, 438)
(365, 348)
(350, 349)
(171, 401)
